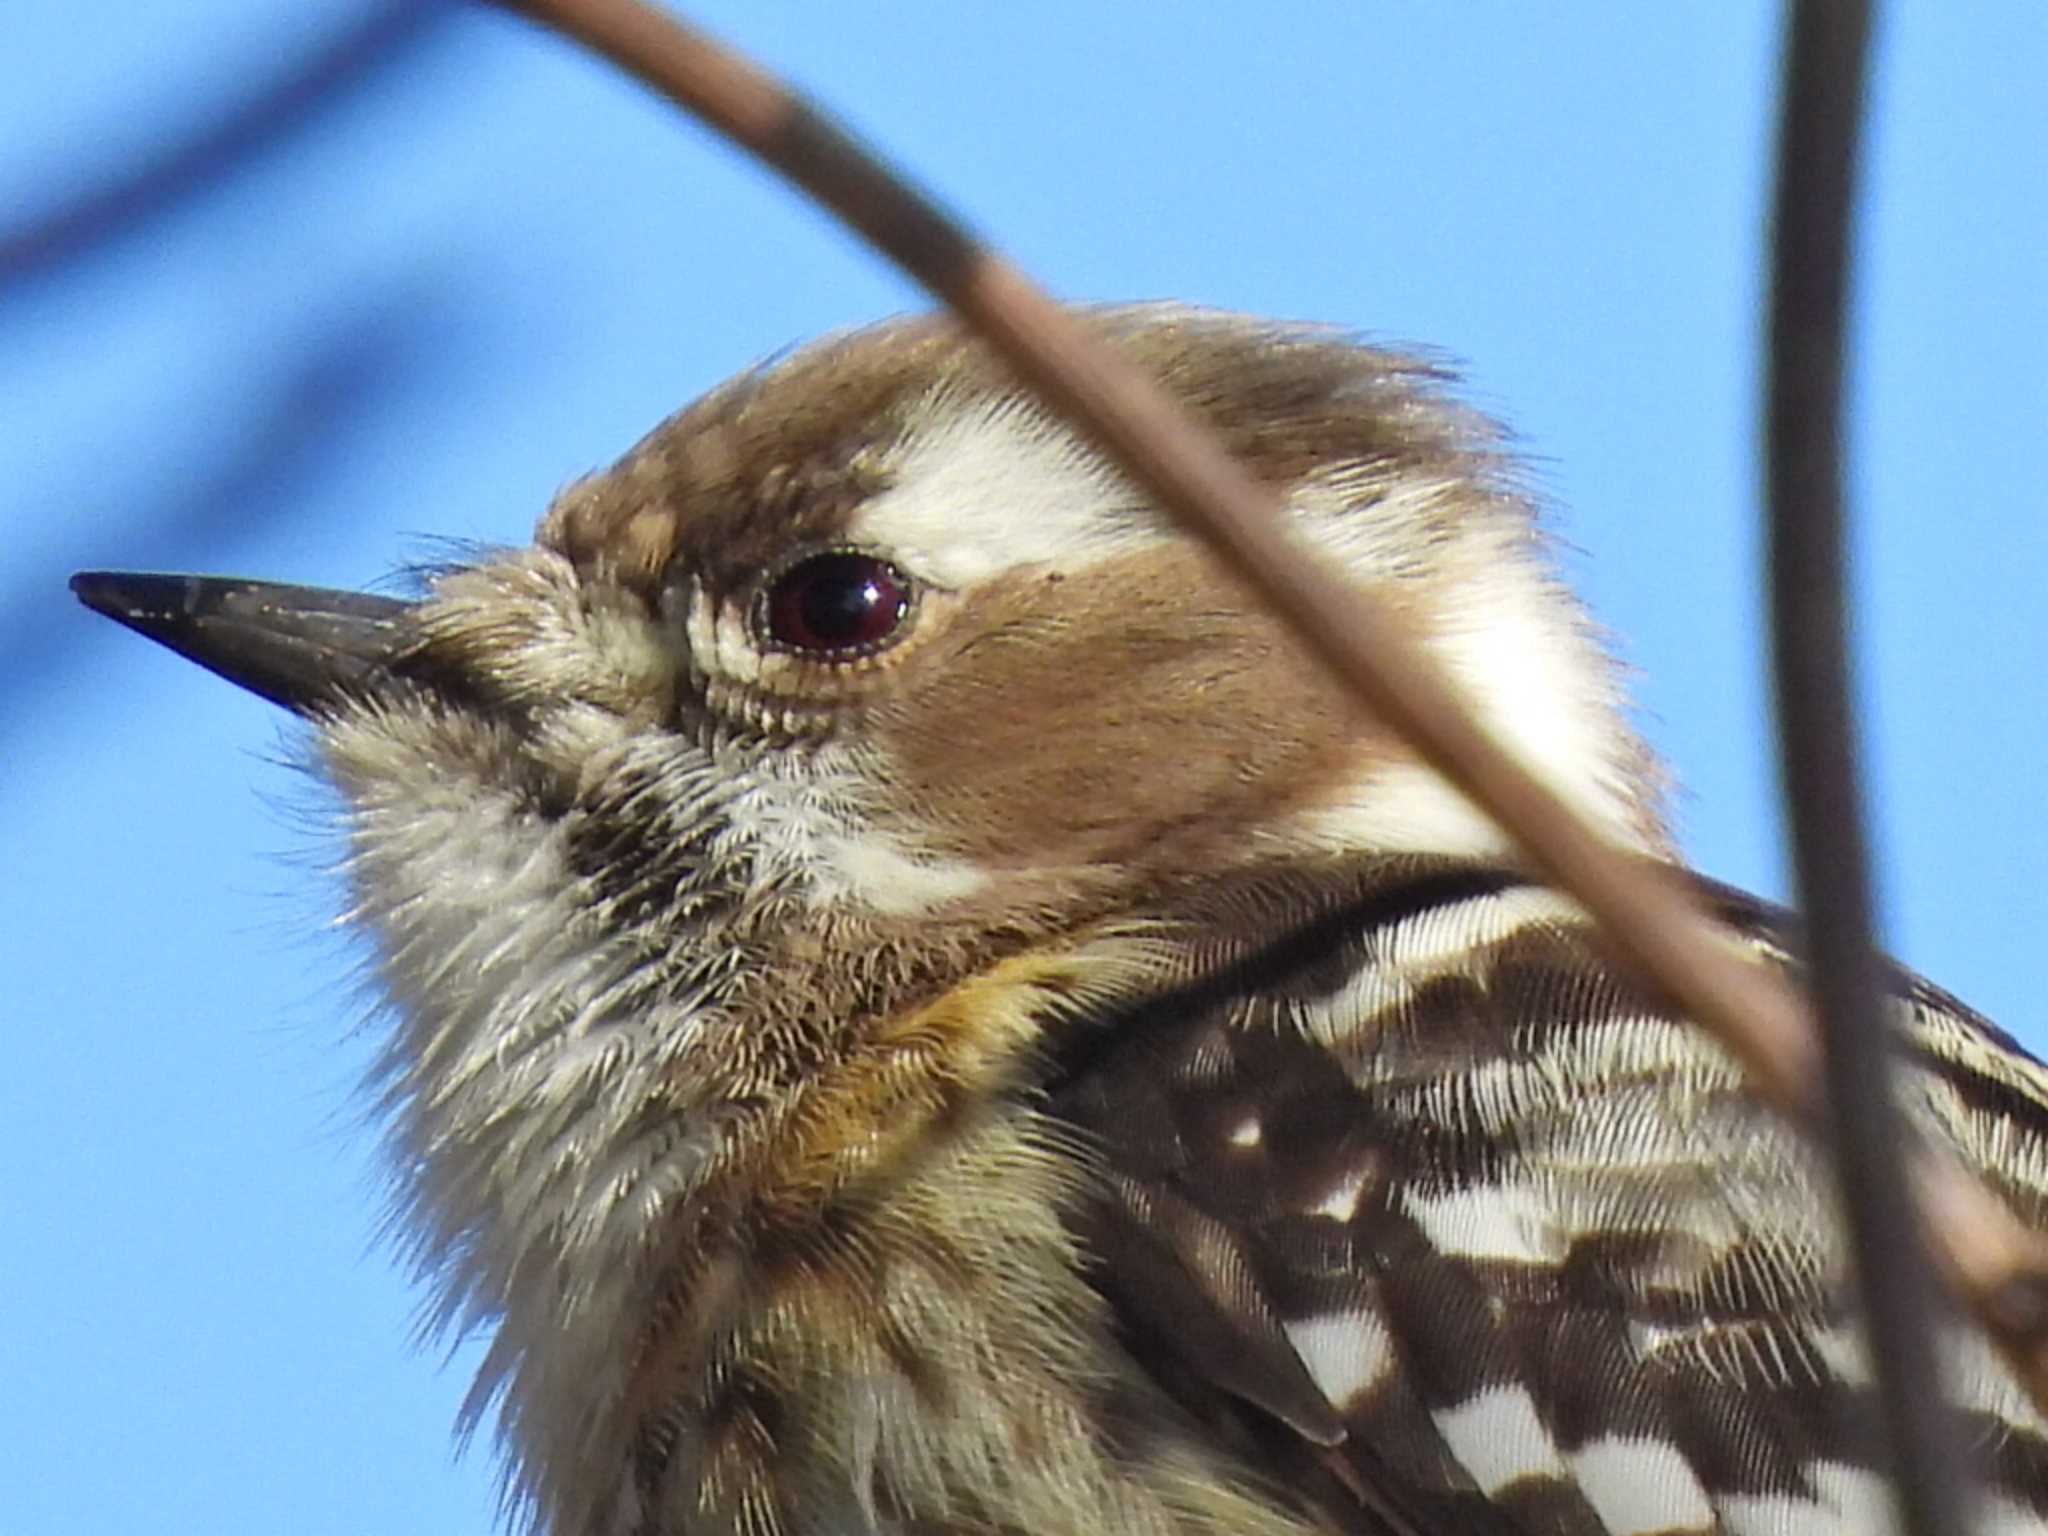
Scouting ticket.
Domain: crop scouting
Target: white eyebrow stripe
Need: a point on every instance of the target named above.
(988, 486)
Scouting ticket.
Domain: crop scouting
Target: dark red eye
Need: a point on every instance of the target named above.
(838, 602)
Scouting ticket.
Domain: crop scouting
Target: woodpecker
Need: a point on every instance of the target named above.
(916, 1006)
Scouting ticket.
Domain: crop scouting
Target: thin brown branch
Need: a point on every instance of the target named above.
(1648, 915)
(1819, 119)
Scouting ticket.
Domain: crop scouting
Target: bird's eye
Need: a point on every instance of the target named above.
(835, 604)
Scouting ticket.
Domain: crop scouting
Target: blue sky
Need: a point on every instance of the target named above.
(487, 266)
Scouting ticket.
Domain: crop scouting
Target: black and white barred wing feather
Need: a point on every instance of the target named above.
(1457, 1232)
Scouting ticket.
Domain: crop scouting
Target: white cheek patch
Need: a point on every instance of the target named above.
(983, 487)
(802, 832)
(1543, 688)
(1507, 633)
(1379, 530)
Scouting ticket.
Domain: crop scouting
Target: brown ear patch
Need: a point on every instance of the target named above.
(1089, 719)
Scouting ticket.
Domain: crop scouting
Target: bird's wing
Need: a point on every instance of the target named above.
(1456, 1230)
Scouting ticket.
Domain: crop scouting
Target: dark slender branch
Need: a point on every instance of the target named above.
(1648, 916)
(1820, 118)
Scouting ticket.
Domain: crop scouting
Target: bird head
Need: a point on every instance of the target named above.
(874, 635)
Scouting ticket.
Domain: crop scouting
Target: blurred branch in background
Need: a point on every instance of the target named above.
(351, 61)
(314, 387)
(330, 380)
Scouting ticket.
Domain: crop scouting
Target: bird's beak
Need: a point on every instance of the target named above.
(302, 647)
